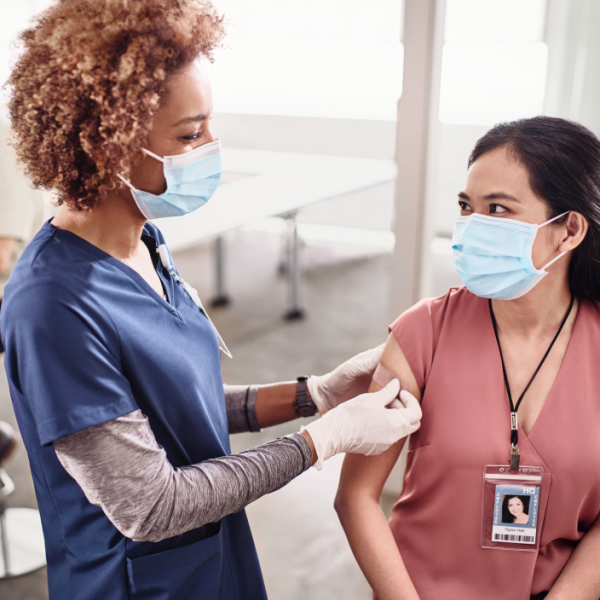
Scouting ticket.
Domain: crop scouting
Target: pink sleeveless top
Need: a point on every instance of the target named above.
(450, 345)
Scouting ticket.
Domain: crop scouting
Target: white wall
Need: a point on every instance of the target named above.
(312, 135)
(573, 89)
(316, 58)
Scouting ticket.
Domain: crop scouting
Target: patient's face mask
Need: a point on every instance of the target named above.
(493, 256)
(192, 179)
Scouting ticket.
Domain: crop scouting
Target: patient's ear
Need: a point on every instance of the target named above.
(577, 228)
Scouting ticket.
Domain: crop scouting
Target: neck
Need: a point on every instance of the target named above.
(114, 225)
(539, 312)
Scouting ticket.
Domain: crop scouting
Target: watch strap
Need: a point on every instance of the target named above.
(303, 405)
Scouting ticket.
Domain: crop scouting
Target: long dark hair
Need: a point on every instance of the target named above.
(563, 161)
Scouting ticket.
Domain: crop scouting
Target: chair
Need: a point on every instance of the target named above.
(21, 536)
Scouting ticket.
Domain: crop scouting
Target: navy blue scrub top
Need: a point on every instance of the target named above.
(88, 340)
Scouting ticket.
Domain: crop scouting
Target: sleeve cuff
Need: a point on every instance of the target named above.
(240, 401)
(304, 448)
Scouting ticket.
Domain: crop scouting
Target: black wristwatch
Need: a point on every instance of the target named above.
(303, 405)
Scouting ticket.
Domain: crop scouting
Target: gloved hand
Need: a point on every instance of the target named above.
(347, 381)
(364, 425)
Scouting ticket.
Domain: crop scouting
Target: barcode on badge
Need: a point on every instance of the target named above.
(513, 535)
(523, 539)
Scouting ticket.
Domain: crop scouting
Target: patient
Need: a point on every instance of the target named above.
(524, 331)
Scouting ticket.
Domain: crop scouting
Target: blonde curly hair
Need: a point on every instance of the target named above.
(89, 80)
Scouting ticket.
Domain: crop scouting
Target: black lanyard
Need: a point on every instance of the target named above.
(514, 427)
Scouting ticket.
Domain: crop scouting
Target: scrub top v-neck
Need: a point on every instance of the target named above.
(88, 340)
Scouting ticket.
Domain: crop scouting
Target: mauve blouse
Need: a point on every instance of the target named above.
(450, 345)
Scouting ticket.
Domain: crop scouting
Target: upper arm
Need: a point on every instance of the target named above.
(368, 474)
(65, 359)
(394, 360)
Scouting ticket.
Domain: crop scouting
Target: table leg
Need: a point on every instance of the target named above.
(221, 298)
(295, 309)
(283, 266)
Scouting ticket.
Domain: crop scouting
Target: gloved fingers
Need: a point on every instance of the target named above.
(395, 403)
(385, 395)
(367, 361)
(399, 426)
(411, 407)
(313, 383)
(363, 363)
(345, 382)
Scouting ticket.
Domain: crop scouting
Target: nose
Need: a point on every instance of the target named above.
(209, 134)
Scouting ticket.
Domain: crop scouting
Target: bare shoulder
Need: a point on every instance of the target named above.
(394, 361)
(367, 474)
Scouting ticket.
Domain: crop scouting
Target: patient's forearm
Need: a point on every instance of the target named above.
(580, 579)
(375, 549)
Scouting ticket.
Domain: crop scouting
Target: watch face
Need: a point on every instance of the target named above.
(306, 410)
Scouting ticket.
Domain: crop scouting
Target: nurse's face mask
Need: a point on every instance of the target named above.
(192, 178)
(493, 256)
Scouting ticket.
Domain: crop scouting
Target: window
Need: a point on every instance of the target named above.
(316, 58)
(493, 62)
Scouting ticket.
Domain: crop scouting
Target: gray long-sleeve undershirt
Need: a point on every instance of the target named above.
(240, 402)
(121, 468)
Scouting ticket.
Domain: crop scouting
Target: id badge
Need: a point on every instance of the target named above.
(165, 259)
(193, 294)
(511, 505)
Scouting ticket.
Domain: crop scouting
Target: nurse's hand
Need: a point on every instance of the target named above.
(347, 381)
(364, 425)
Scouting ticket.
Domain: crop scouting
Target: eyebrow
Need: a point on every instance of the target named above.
(194, 119)
(493, 196)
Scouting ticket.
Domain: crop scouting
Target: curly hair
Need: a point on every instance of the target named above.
(88, 82)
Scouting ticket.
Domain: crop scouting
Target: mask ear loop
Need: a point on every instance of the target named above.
(126, 182)
(553, 260)
(136, 196)
(562, 253)
(156, 156)
(553, 219)
(149, 153)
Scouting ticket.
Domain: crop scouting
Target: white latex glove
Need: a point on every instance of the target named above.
(364, 425)
(347, 381)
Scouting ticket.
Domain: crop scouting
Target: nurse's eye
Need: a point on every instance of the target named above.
(464, 207)
(497, 208)
(194, 136)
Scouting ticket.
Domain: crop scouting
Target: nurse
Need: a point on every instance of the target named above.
(113, 366)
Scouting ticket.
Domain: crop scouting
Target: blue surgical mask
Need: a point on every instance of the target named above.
(493, 256)
(192, 178)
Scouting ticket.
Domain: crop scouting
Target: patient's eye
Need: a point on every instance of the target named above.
(464, 206)
(497, 208)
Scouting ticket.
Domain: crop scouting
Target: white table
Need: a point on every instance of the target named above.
(258, 184)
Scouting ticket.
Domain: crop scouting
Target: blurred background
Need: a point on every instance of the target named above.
(346, 129)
